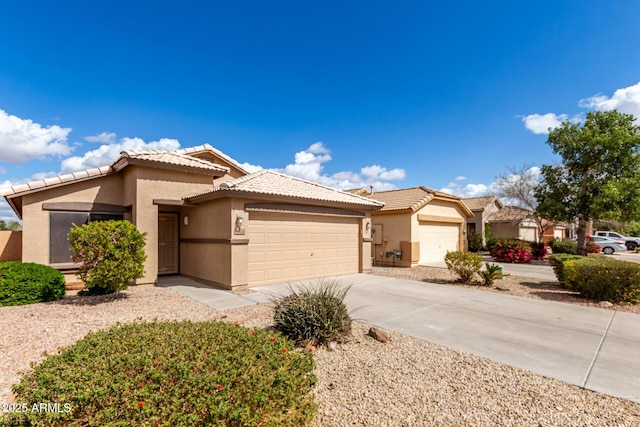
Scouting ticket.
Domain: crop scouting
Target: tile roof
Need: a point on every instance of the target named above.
(511, 213)
(166, 157)
(171, 158)
(58, 180)
(476, 203)
(268, 182)
(408, 198)
(208, 148)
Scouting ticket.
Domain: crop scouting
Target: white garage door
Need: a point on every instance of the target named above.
(436, 239)
(289, 247)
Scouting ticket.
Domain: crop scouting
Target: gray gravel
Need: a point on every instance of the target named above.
(407, 382)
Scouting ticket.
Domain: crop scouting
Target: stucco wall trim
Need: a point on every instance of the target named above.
(83, 207)
(437, 218)
(216, 241)
(301, 209)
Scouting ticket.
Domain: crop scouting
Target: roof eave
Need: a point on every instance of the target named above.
(123, 162)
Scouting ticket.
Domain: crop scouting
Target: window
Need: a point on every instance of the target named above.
(59, 226)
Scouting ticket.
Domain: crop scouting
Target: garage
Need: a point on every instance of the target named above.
(436, 239)
(289, 247)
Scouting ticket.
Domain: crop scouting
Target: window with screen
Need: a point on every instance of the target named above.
(60, 224)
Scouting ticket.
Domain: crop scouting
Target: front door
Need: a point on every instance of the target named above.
(168, 243)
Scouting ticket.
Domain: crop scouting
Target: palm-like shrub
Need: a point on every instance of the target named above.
(314, 314)
(464, 264)
(491, 273)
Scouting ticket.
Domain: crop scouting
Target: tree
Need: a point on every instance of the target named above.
(599, 174)
(518, 186)
(12, 225)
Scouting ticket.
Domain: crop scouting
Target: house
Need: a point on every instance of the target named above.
(483, 208)
(417, 225)
(515, 222)
(205, 217)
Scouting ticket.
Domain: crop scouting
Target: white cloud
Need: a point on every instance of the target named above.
(625, 100)
(107, 154)
(540, 123)
(309, 164)
(22, 140)
(457, 187)
(104, 137)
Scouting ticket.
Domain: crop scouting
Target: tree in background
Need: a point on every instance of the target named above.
(518, 187)
(599, 173)
(12, 225)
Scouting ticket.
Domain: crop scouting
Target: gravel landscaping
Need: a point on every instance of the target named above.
(405, 382)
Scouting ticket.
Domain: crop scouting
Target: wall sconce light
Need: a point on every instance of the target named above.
(239, 222)
(367, 225)
(186, 220)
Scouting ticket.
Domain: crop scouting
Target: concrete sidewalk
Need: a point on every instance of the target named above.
(592, 348)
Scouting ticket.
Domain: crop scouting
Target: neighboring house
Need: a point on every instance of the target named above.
(483, 208)
(417, 226)
(205, 217)
(556, 230)
(515, 222)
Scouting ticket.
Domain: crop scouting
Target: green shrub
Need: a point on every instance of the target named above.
(564, 246)
(111, 253)
(491, 273)
(557, 263)
(28, 283)
(491, 243)
(604, 278)
(475, 242)
(314, 315)
(538, 250)
(464, 264)
(172, 374)
(512, 251)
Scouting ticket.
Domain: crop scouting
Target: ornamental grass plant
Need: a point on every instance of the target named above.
(312, 315)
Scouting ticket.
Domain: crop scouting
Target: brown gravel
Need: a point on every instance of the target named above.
(407, 382)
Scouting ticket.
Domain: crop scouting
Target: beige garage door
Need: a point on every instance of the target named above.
(436, 239)
(289, 247)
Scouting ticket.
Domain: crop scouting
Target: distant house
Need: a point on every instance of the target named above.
(417, 226)
(205, 217)
(483, 208)
(514, 221)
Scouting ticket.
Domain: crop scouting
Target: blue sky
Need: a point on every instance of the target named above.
(394, 94)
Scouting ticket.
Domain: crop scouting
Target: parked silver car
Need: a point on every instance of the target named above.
(608, 245)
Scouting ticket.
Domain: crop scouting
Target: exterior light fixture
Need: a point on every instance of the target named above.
(186, 220)
(367, 225)
(239, 222)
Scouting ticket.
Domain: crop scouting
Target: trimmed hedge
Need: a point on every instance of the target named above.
(604, 278)
(29, 283)
(568, 246)
(172, 374)
(557, 263)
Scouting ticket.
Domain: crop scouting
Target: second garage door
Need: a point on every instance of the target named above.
(436, 239)
(289, 247)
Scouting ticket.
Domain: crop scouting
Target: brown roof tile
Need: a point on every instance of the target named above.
(477, 203)
(172, 158)
(511, 213)
(277, 184)
(408, 198)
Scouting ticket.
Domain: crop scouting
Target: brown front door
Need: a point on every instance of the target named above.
(167, 243)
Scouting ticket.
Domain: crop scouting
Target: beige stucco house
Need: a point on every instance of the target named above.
(515, 222)
(205, 217)
(483, 208)
(417, 226)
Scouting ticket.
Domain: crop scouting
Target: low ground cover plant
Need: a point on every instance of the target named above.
(111, 253)
(172, 374)
(603, 278)
(313, 314)
(464, 264)
(28, 283)
(512, 251)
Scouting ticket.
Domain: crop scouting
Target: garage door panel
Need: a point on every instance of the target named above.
(436, 239)
(287, 247)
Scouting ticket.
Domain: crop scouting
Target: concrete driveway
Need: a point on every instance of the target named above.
(592, 348)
